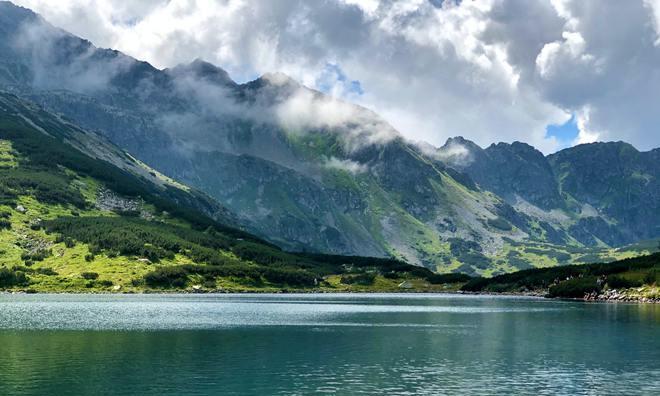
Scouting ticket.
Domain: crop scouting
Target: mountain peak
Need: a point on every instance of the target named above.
(13, 16)
(8, 6)
(524, 150)
(460, 140)
(270, 88)
(613, 148)
(274, 80)
(278, 79)
(204, 70)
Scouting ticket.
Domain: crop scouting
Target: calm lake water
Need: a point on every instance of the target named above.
(334, 344)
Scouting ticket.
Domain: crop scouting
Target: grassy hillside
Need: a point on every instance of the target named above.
(629, 279)
(72, 222)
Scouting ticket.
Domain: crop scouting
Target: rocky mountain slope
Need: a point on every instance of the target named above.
(601, 193)
(309, 172)
(79, 214)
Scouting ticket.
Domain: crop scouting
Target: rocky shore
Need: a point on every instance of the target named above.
(645, 294)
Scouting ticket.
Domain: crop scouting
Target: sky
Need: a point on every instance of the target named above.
(551, 73)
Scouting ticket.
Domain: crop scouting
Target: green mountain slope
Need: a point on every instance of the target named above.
(311, 173)
(72, 222)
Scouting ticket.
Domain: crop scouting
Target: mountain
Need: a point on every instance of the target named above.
(312, 173)
(607, 193)
(79, 214)
(509, 170)
(616, 180)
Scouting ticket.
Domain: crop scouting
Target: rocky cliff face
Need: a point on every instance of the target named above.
(610, 190)
(313, 173)
(616, 180)
(513, 171)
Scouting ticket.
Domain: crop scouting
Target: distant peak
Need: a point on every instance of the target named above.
(202, 69)
(200, 63)
(278, 79)
(11, 15)
(8, 5)
(601, 146)
(277, 84)
(460, 140)
(522, 145)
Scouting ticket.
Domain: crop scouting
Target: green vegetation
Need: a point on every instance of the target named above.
(365, 279)
(12, 277)
(574, 281)
(575, 288)
(54, 237)
(438, 279)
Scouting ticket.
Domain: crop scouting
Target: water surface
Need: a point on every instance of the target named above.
(335, 344)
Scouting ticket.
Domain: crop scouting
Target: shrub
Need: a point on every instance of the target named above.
(289, 277)
(105, 283)
(167, 277)
(475, 284)
(437, 279)
(619, 282)
(650, 277)
(5, 224)
(209, 284)
(575, 288)
(89, 257)
(9, 278)
(46, 271)
(90, 275)
(391, 275)
(39, 255)
(365, 279)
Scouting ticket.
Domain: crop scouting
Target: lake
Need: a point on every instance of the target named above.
(325, 344)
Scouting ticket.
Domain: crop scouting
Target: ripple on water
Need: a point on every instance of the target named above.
(300, 345)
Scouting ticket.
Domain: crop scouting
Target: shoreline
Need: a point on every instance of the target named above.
(608, 298)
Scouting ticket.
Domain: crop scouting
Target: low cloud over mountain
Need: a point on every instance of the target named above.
(490, 70)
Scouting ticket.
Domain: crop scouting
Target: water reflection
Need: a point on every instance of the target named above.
(158, 345)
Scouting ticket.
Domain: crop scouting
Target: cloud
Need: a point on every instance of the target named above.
(346, 165)
(585, 133)
(305, 110)
(454, 153)
(490, 70)
(83, 72)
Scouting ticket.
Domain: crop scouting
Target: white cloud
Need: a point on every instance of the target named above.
(490, 70)
(552, 55)
(346, 165)
(585, 134)
(305, 110)
(369, 7)
(654, 7)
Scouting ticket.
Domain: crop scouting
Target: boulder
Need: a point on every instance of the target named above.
(405, 285)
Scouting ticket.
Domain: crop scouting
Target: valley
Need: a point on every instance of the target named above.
(305, 172)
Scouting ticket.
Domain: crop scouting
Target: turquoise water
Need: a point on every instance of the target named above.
(325, 344)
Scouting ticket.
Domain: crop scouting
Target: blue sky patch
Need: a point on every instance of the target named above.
(333, 73)
(565, 133)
